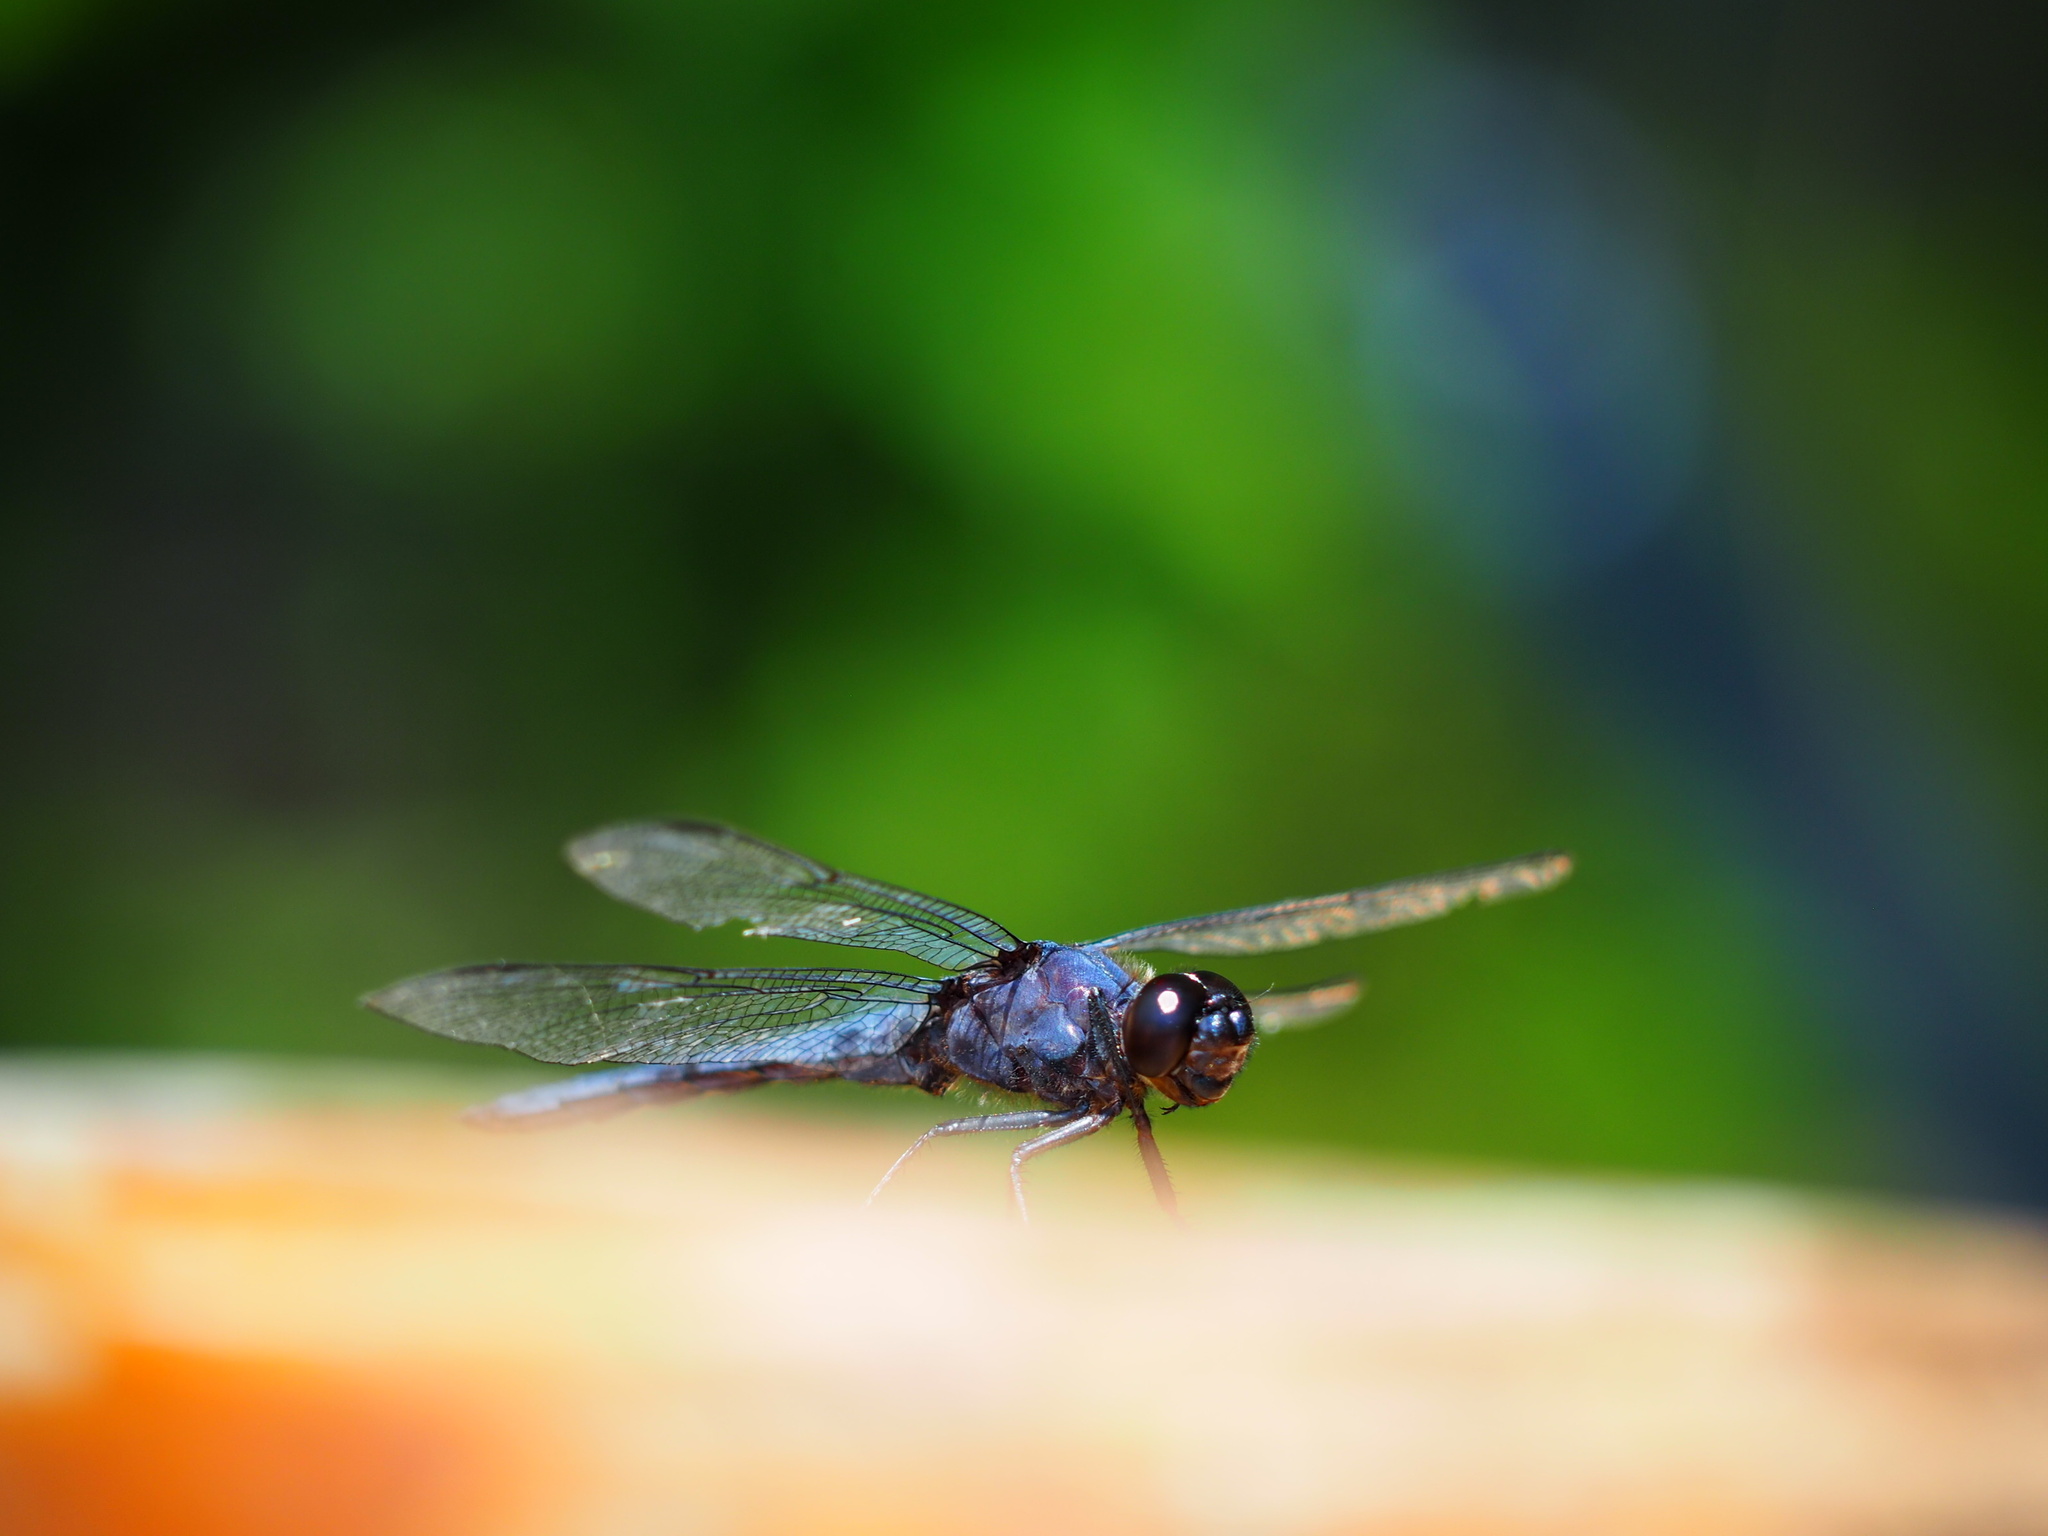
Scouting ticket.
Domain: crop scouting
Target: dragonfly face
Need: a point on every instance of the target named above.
(1187, 1034)
(1067, 1025)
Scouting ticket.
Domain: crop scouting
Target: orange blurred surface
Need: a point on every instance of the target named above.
(248, 1301)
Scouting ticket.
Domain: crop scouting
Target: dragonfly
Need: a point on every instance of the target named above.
(1089, 1032)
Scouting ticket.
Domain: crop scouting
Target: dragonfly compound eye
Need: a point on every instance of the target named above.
(1159, 1026)
(1222, 1041)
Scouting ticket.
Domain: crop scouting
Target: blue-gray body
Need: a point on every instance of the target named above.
(1041, 1023)
(1067, 1027)
(1049, 1032)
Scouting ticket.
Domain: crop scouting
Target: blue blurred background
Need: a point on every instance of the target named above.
(1096, 462)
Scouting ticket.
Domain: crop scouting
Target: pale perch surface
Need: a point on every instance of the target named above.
(240, 1299)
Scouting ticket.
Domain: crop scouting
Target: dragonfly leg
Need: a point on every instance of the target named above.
(1074, 1125)
(1016, 1120)
(1155, 1164)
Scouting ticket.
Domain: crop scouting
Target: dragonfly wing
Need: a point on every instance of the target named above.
(594, 1095)
(696, 873)
(1315, 919)
(590, 1096)
(667, 1015)
(1303, 1006)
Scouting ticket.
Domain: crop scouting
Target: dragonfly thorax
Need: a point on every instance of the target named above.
(1036, 1023)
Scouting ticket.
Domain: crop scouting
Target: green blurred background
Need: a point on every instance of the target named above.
(1095, 462)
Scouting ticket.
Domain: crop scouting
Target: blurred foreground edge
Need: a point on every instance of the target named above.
(246, 1299)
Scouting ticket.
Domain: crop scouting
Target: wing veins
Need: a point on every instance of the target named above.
(665, 1015)
(1304, 920)
(704, 875)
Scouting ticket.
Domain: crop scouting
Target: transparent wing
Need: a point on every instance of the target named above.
(700, 874)
(1315, 919)
(591, 1096)
(665, 1015)
(1303, 1006)
(595, 1095)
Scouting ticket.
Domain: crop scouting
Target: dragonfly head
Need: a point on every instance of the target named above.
(1186, 1034)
